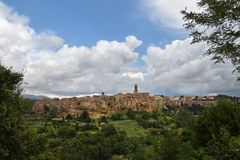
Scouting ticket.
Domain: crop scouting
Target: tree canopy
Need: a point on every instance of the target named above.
(17, 141)
(217, 24)
(10, 126)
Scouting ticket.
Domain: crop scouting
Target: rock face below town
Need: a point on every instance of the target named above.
(105, 105)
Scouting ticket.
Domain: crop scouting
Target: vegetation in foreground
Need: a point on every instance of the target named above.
(177, 134)
(218, 24)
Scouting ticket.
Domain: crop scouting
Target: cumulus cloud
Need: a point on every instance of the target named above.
(132, 75)
(18, 41)
(81, 70)
(181, 68)
(54, 68)
(49, 41)
(167, 12)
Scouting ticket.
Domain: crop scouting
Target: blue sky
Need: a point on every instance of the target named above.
(72, 48)
(87, 21)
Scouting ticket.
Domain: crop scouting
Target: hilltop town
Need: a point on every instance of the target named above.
(99, 105)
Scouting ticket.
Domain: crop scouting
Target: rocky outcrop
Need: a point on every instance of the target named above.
(99, 105)
(105, 105)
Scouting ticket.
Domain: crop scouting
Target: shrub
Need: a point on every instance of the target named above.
(67, 132)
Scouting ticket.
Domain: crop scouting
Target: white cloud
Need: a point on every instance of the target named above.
(49, 41)
(18, 41)
(137, 76)
(54, 68)
(167, 12)
(82, 70)
(181, 68)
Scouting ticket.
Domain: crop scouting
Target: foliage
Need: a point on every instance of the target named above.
(85, 117)
(176, 134)
(224, 147)
(17, 141)
(225, 115)
(175, 149)
(215, 135)
(218, 24)
(91, 147)
(103, 119)
(88, 127)
(161, 134)
(119, 116)
(131, 128)
(109, 130)
(184, 118)
(67, 132)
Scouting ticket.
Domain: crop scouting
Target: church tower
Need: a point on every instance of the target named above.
(135, 88)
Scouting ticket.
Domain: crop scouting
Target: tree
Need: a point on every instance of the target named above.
(225, 147)
(67, 132)
(218, 24)
(224, 116)
(175, 149)
(109, 130)
(184, 118)
(85, 117)
(16, 140)
(10, 124)
(216, 133)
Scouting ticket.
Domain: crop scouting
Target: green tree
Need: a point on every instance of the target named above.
(218, 24)
(174, 149)
(224, 147)
(225, 114)
(184, 118)
(109, 130)
(217, 130)
(67, 132)
(85, 117)
(16, 140)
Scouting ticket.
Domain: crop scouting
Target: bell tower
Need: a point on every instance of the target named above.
(135, 88)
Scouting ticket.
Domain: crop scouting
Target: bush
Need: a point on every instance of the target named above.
(69, 117)
(88, 126)
(67, 132)
(119, 116)
(85, 117)
(174, 149)
(103, 119)
(225, 115)
(109, 130)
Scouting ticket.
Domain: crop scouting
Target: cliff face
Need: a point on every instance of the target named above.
(99, 105)
(105, 105)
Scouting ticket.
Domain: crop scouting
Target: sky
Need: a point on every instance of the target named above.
(75, 48)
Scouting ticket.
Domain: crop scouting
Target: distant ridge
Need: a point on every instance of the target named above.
(35, 97)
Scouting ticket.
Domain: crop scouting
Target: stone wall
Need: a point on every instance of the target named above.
(105, 105)
(100, 105)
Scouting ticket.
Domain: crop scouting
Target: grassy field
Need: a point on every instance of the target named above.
(131, 128)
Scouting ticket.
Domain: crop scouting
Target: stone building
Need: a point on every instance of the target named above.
(99, 105)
